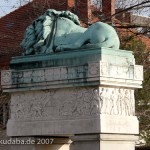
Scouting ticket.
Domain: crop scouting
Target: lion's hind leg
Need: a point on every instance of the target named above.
(108, 44)
(104, 35)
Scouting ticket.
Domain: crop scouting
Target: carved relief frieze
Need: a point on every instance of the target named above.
(31, 105)
(82, 102)
(117, 101)
(72, 103)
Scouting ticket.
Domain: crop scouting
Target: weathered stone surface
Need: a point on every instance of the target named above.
(77, 57)
(89, 110)
(85, 93)
(72, 103)
(37, 143)
(94, 73)
(103, 142)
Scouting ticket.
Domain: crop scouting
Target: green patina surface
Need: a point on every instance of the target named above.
(60, 30)
(76, 57)
(57, 39)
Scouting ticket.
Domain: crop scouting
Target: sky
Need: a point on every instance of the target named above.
(6, 7)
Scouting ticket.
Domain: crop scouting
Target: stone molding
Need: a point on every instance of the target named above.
(92, 73)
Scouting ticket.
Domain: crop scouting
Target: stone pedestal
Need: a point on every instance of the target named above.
(40, 143)
(86, 95)
(103, 142)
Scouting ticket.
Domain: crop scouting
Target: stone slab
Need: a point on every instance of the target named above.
(122, 125)
(103, 142)
(94, 73)
(73, 111)
(60, 143)
(86, 95)
(72, 103)
(74, 58)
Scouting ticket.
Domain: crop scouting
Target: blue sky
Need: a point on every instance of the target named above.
(6, 7)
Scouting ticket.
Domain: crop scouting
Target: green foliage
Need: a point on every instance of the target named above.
(142, 96)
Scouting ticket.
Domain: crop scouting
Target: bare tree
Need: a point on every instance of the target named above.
(130, 13)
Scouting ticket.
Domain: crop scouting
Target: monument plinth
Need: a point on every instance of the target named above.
(90, 94)
(83, 98)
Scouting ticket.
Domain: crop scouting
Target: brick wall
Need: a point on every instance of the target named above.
(108, 8)
(82, 9)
